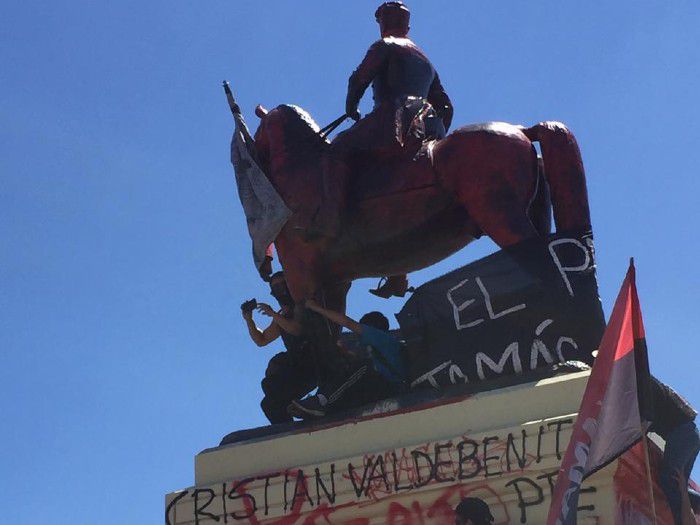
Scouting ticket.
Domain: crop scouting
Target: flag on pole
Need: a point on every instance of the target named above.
(615, 409)
(265, 211)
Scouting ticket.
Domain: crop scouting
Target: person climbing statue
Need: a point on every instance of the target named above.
(289, 374)
(365, 380)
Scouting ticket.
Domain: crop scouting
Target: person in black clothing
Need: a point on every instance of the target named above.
(290, 374)
(374, 371)
(674, 420)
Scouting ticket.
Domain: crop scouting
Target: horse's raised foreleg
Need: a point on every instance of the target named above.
(328, 358)
(333, 296)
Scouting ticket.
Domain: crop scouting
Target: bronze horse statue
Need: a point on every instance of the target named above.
(407, 212)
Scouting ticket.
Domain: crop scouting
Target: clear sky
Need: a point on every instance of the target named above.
(124, 254)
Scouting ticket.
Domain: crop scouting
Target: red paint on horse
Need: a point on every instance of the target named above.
(406, 214)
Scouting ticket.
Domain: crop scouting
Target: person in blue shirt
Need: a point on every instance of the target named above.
(384, 349)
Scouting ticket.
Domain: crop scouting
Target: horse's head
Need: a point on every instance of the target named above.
(287, 132)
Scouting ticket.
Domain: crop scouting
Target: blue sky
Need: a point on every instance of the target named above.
(124, 251)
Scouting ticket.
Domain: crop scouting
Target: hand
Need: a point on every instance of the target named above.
(352, 112)
(265, 309)
(247, 308)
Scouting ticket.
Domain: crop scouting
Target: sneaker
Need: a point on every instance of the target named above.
(318, 405)
(308, 408)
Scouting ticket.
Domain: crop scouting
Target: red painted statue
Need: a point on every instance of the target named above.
(393, 194)
(404, 84)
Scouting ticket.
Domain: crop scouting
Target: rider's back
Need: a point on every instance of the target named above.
(401, 69)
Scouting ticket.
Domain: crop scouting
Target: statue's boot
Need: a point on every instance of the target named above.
(393, 286)
(326, 222)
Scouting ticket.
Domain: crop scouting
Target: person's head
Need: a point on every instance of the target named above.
(279, 290)
(473, 511)
(393, 19)
(375, 320)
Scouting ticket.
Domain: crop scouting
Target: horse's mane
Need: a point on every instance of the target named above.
(300, 126)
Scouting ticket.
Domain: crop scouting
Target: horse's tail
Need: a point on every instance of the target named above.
(563, 170)
(540, 211)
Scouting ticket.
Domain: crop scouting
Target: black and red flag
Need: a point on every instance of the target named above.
(616, 406)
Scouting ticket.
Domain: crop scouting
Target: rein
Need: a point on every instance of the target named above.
(324, 132)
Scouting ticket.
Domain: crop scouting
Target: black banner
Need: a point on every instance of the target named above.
(521, 308)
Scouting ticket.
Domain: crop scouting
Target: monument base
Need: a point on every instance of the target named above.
(414, 464)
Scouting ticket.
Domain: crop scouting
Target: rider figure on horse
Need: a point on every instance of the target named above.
(398, 71)
(405, 84)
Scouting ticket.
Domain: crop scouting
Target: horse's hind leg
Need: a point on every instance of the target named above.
(494, 175)
(503, 216)
(504, 228)
(501, 213)
(499, 203)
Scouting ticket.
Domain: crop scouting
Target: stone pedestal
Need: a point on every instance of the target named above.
(414, 464)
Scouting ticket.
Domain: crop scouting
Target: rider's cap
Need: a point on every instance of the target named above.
(393, 14)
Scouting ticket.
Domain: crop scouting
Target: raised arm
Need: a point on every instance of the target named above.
(437, 96)
(361, 78)
(291, 326)
(335, 317)
(260, 337)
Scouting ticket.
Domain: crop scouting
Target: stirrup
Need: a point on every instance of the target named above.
(380, 290)
(387, 288)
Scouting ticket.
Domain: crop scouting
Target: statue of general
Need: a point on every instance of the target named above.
(393, 193)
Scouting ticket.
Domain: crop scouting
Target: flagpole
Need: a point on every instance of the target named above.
(645, 445)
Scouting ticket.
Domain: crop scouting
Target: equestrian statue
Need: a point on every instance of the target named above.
(395, 193)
